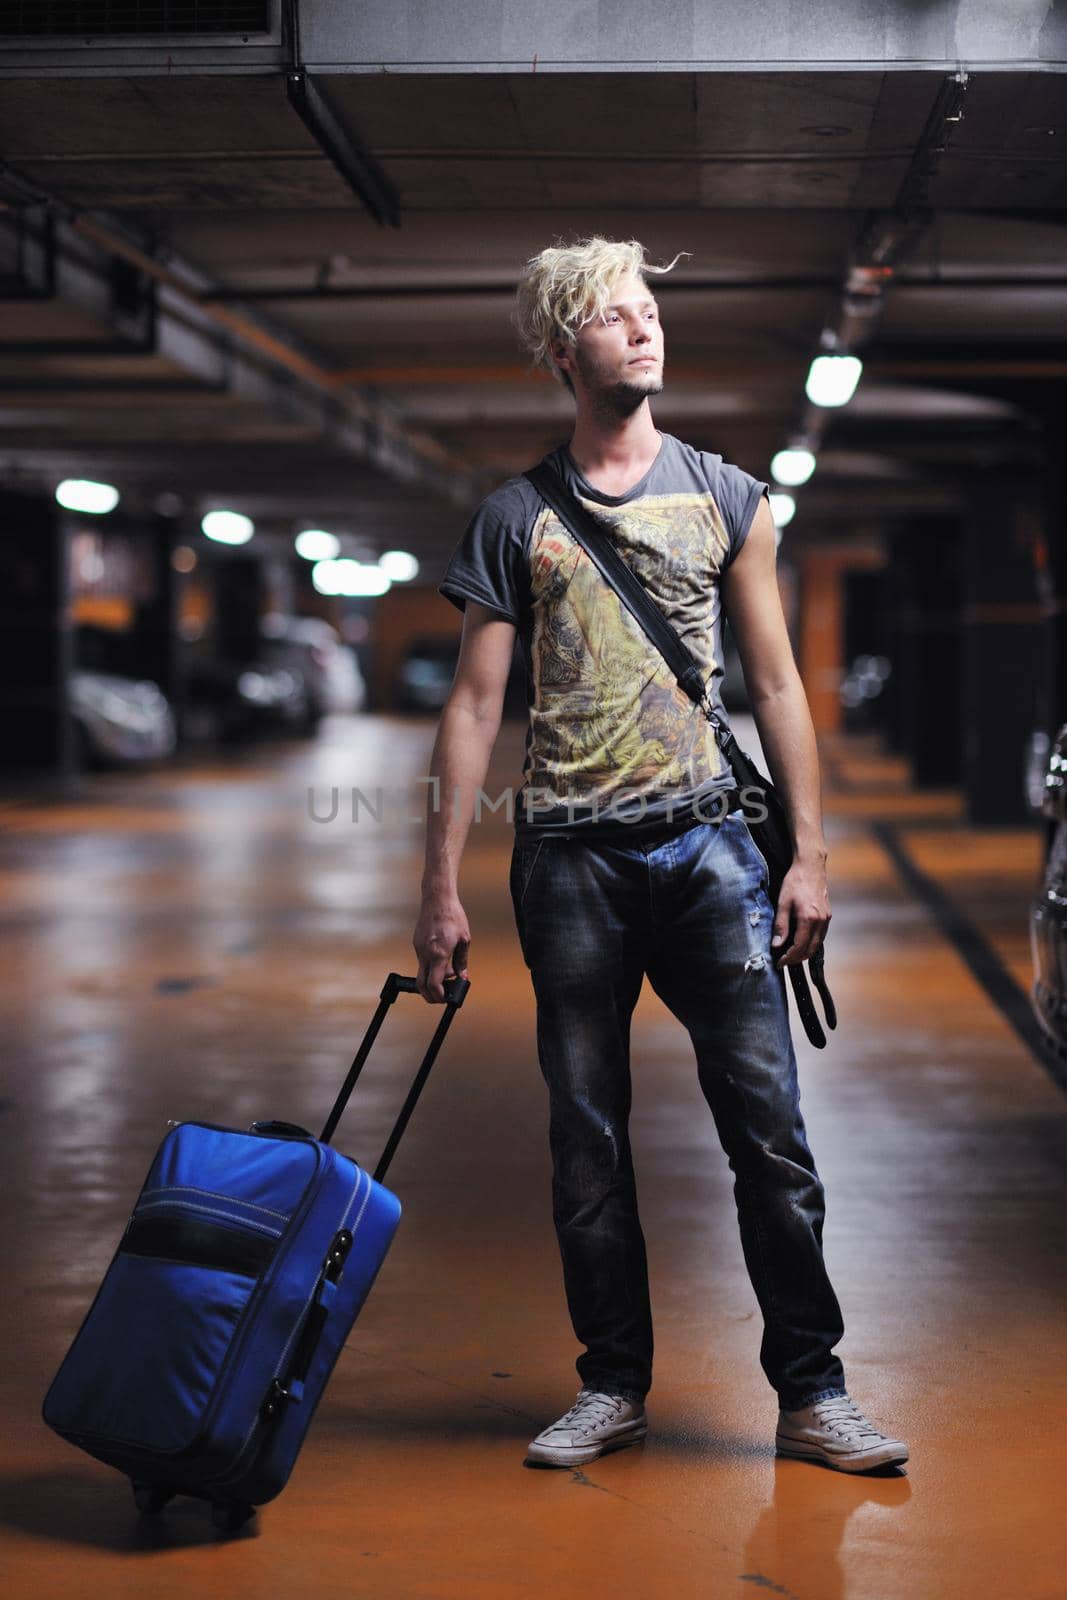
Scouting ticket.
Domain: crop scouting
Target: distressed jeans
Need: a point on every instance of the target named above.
(692, 911)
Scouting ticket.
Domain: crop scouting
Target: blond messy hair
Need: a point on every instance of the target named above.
(568, 285)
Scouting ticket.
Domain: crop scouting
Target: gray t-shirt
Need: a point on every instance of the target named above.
(614, 746)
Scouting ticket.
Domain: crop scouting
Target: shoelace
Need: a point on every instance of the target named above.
(590, 1410)
(845, 1418)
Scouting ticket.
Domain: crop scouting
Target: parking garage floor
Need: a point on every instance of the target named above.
(208, 943)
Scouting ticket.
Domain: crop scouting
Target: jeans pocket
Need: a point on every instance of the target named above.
(750, 841)
(523, 861)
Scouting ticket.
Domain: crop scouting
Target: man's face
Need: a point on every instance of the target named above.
(619, 355)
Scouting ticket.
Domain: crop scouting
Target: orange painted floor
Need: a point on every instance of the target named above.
(193, 944)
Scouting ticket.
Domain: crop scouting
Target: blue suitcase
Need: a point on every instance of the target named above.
(241, 1271)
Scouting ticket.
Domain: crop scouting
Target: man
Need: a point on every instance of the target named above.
(631, 855)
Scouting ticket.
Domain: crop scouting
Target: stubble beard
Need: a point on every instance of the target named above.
(618, 400)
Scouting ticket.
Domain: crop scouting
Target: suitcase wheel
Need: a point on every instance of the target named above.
(149, 1498)
(231, 1515)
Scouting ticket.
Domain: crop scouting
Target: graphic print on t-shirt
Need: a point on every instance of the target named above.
(609, 722)
(612, 739)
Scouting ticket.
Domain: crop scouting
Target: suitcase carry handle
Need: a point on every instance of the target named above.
(455, 994)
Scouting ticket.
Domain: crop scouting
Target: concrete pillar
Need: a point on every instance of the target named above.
(820, 633)
(1002, 645)
(821, 636)
(924, 705)
(865, 634)
(155, 636)
(400, 617)
(240, 594)
(36, 734)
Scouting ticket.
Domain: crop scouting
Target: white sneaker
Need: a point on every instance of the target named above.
(837, 1432)
(595, 1424)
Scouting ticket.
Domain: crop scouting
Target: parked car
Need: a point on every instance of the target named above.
(242, 699)
(1035, 766)
(429, 665)
(1048, 909)
(311, 648)
(426, 674)
(120, 720)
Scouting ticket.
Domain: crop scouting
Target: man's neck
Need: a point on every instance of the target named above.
(612, 454)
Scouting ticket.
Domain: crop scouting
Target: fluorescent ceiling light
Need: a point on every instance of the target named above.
(315, 544)
(349, 578)
(398, 565)
(792, 467)
(227, 527)
(81, 494)
(832, 380)
(783, 509)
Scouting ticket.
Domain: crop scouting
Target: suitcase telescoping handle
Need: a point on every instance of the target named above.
(455, 994)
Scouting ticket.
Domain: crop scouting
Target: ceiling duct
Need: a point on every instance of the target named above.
(97, 19)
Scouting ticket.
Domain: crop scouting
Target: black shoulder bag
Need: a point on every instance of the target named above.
(771, 833)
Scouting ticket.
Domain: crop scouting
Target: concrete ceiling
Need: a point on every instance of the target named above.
(403, 394)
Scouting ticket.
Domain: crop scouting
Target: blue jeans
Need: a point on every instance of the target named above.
(691, 910)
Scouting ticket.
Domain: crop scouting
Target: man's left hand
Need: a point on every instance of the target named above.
(803, 913)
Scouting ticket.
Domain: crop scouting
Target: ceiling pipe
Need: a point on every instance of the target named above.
(366, 179)
(364, 426)
(324, 290)
(883, 245)
(860, 281)
(355, 164)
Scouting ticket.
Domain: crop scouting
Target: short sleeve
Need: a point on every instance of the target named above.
(486, 564)
(738, 494)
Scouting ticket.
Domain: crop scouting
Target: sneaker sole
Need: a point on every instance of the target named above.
(577, 1456)
(884, 1456)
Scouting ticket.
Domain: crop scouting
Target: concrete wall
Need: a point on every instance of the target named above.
(401, 616)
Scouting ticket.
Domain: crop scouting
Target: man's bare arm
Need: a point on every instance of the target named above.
(470, 722)
(780, 708)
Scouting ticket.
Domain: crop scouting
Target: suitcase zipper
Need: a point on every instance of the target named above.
(259, 1292)
(277, 1395)
(314, 1322)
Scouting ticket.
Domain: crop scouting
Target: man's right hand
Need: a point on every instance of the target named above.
(442, 941)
